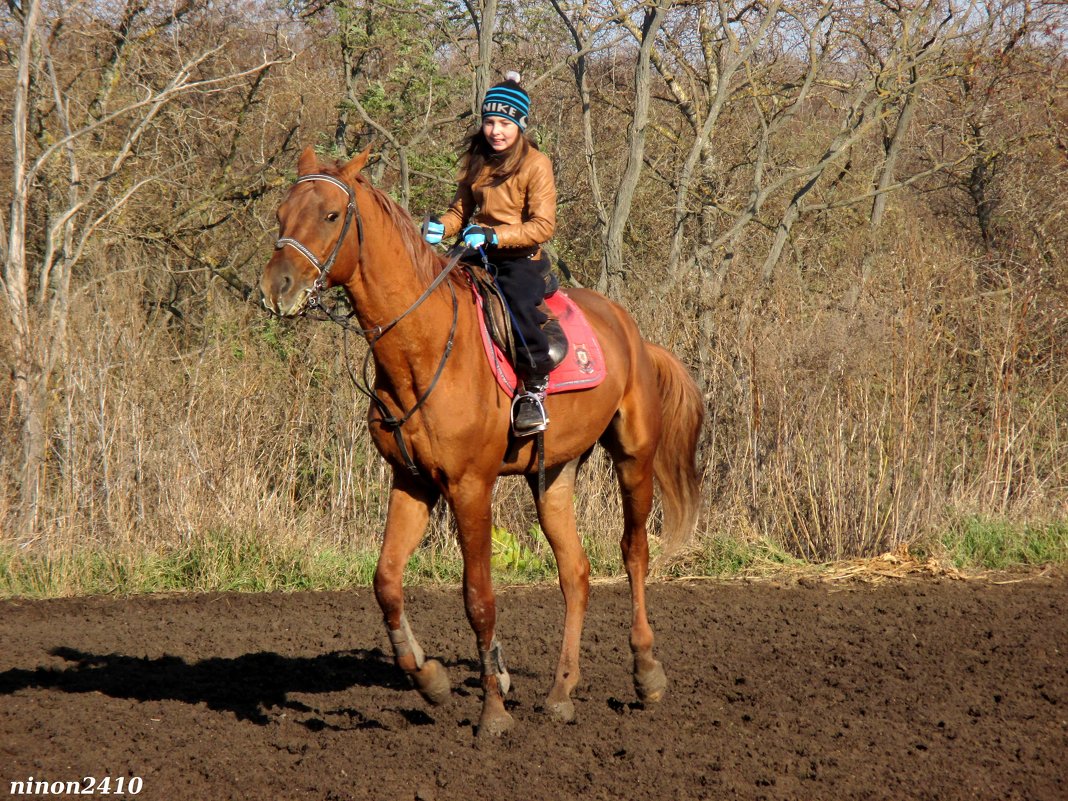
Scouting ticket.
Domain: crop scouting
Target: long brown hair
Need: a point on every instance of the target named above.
(477, 153)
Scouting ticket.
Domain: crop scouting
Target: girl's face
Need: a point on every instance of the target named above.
(500, 133)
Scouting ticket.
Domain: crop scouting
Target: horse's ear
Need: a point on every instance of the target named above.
(354, 167)
(308, 162)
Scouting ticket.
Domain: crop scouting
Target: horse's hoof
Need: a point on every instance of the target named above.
(650, 683)
(561, 711)
(432, 682)
(494, 724)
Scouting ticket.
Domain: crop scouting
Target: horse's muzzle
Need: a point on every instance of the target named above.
(284, 290)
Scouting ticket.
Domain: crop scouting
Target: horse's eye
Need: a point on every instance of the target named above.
(332, 216)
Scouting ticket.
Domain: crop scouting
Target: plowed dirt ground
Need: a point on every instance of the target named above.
(910, 689)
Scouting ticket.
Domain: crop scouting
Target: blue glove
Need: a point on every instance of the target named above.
(475, 236)
(433, 230)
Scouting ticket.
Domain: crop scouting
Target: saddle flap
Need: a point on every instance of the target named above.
(581, 364)
(554, 332)
(499, 322)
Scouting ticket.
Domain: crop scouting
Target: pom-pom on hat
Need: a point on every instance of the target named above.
(507, 99)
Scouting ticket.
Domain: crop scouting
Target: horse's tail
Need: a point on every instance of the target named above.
(675, 464)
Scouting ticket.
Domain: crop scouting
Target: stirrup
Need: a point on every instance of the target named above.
(528, 413)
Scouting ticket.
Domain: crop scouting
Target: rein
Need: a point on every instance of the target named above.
(389, 421)
(374, 335)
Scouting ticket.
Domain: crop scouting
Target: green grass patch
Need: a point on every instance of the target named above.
(723, 557)
(521, 559)
(432, 566)
(228, 561)
(978, 543)
(232, 561)
(217, 562)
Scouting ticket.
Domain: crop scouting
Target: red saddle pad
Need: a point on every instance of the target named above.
(582, 368)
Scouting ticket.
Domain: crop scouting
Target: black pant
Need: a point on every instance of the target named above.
(523, 281)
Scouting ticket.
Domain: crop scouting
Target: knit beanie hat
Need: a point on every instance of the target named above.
(507, 99)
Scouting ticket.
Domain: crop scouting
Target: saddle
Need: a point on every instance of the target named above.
(573, 347)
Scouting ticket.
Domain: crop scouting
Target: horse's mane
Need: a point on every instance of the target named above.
(425, 259)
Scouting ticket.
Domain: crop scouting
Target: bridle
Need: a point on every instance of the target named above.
(352, 211)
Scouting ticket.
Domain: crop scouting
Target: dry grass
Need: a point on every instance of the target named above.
(831, 434)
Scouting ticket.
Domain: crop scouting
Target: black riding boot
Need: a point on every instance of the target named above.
(528, 407)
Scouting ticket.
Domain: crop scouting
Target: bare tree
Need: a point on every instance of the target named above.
(96, 185)
(613, 272)
(1010, 50)
(396, 90)
(920, 36)
(484, 17)
(723, 55)
(583, 29)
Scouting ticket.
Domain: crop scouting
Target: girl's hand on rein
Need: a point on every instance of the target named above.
(433, 230)
(476, 236)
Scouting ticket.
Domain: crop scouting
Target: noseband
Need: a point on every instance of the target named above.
(324, 267)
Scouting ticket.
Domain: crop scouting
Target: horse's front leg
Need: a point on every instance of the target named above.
(471, 506)
(410, 503)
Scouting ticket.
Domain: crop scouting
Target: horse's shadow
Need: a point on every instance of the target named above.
(247, 686)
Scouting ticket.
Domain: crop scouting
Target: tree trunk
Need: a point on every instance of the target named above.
(485, 23)
(32, 400)
(978, 186)
(580, 36)
(29, 389)
(612, 271)
(892, 149)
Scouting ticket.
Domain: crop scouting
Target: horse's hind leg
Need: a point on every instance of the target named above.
(631, 440)
(409, 510)
(556, 511)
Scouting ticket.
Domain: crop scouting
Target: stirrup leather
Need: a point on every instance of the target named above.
(528, 413)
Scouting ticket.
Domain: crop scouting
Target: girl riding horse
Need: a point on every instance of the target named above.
(441, 421)
(506, 204)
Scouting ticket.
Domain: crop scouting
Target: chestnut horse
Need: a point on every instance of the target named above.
(442, 423)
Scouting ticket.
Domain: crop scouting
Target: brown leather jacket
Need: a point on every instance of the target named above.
(521, 209)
